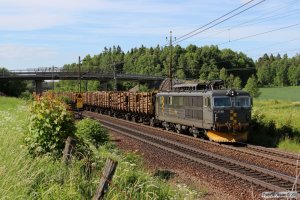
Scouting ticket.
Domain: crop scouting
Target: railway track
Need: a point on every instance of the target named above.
(259, 176)
(264, 158)
(274, 152)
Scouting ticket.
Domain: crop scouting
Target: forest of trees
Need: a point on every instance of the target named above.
(197, 63)
(190, 63)
(278, 71)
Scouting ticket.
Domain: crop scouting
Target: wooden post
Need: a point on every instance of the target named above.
(67, 153)
(107, 174)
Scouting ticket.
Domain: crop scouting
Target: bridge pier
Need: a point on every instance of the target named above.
(38, 87)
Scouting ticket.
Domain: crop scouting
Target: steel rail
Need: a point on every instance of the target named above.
(274, 152)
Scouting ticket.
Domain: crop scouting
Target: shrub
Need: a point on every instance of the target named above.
(26, 96)
(66, 100)
(50, 124)
(252, 87)
(92, 131)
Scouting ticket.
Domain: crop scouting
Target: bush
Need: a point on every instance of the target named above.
(92, 131)
(66, 100)
(26, 96)
(50, 125)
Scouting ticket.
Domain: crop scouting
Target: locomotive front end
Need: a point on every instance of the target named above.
(231, 116)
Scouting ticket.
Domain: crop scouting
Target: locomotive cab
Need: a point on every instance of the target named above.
(231, 116)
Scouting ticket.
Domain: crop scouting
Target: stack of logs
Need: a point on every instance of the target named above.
(136, 102)
(126, 101)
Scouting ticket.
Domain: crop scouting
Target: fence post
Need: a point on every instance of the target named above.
(69, 147)
(107, 174)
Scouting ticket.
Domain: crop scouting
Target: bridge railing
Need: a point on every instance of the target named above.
(67, 75)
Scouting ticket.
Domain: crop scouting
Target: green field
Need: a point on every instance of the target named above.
(282, 93)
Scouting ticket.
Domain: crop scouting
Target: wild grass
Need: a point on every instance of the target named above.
(283, 113)
(22, 177)
(278, 110)
(291, 145)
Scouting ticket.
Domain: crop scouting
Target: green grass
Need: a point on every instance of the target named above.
(283, 113)
(281, 107)
(289, 145)
(22, 177)
(291, 93)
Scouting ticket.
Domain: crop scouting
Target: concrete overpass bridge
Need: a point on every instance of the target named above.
(41, 75)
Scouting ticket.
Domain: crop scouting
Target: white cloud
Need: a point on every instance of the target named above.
(36, 14)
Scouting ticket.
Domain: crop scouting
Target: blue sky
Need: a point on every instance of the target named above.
(35, 33)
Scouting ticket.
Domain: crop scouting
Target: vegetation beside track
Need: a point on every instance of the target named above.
(44, 177)
(276, 118)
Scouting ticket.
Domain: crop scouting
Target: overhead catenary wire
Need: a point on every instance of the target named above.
(261, 18)
(215, 20)
(257, 34)
(268, 18)
(274, 44)
(196, 33)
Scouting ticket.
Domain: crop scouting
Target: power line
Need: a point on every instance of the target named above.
(274, 44)
(265, 19)
(220, 22)
(215, 19)
(257, 34)
(260, 19)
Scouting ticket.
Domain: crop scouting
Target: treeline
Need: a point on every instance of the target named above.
(11, 87)
(192, 62)
(278, 71)
(200, 63)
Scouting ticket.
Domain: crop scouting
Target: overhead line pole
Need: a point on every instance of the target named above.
(171, 60)
(79, 74)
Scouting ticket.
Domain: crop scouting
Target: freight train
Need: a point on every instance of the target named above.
(216, 114)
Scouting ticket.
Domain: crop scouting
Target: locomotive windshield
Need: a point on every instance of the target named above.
(222, 102)
(239, 101)
(242, 102)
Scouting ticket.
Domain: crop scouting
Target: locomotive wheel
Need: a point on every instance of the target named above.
(152, 122)
(133, 119)
(168, 127)
(178, 131)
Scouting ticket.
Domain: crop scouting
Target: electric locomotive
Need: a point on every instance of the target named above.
(219, 115)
